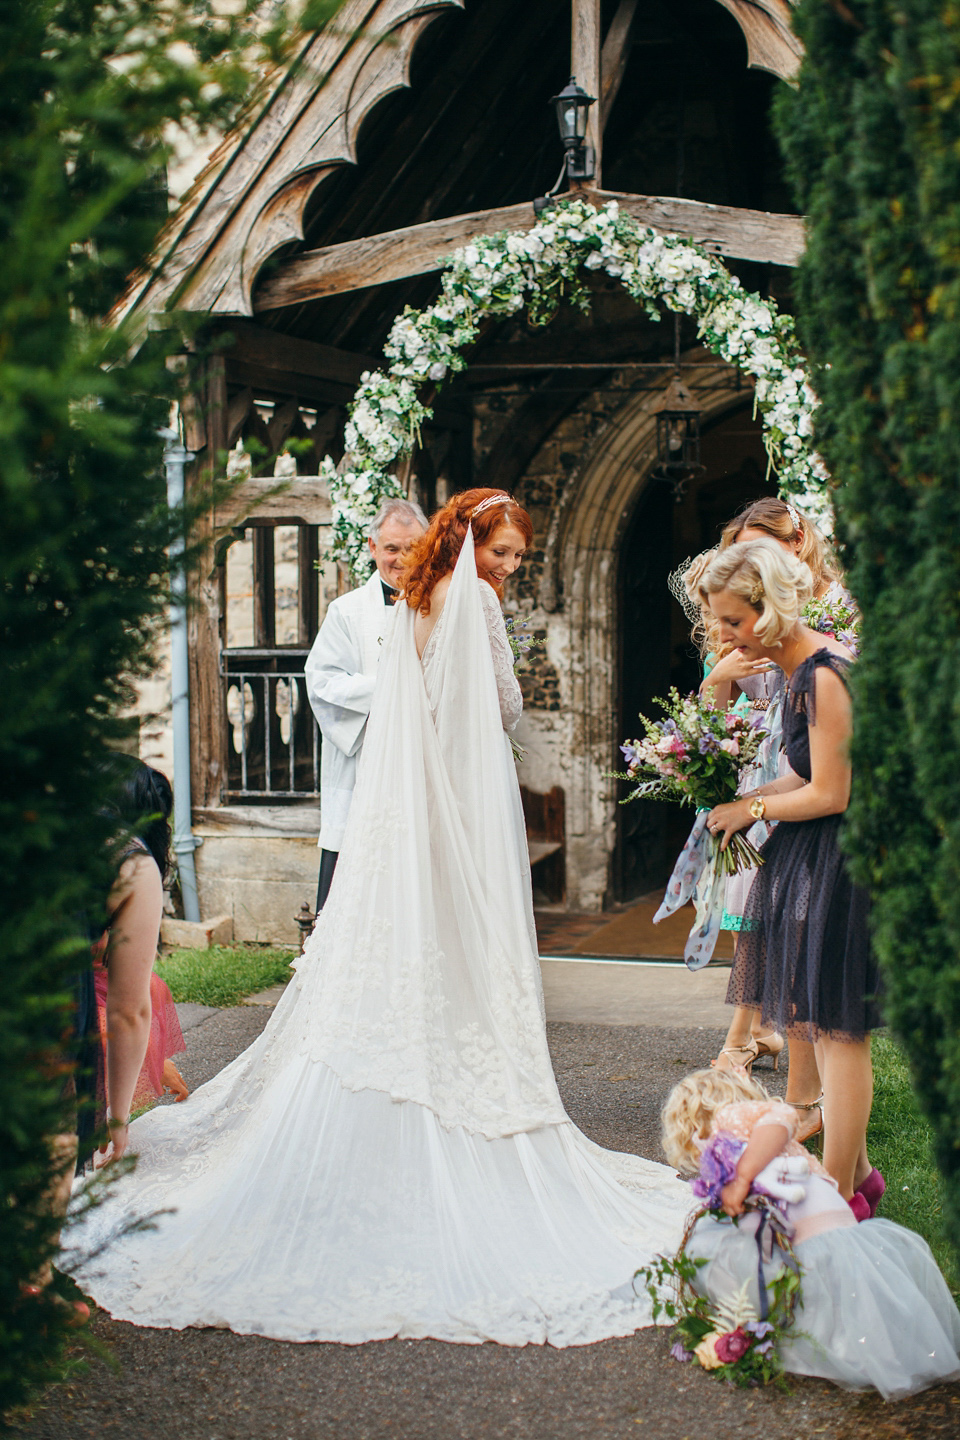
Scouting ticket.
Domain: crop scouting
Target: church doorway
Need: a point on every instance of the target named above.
(655, 650)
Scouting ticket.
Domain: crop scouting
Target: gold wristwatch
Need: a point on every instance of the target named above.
(758, 807)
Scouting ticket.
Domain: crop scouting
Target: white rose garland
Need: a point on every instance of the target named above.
(500, 274)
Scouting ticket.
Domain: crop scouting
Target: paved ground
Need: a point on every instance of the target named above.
(212, 1385)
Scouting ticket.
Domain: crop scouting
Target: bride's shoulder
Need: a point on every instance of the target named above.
(439, 592)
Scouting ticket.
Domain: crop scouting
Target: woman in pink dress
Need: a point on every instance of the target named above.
(137, 1018)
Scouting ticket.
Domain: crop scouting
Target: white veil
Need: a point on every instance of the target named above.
(421, 976)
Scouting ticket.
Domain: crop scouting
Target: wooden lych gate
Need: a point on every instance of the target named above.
(407, 128)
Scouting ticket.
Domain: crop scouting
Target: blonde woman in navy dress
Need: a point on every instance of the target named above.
(763, 682)
(804, 958)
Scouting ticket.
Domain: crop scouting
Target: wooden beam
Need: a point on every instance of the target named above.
(724, 229)
(304, 499)
(270, 381)
(585, 65)
(377, 259)
(613, 57)
(260, 346)
(419, 249)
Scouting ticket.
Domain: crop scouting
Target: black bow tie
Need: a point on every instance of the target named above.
(389, 594)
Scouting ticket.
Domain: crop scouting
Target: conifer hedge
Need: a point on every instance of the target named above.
(87, 93)
(872, 141)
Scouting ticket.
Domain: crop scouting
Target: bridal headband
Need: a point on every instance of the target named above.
(794, 516)
(500, 499)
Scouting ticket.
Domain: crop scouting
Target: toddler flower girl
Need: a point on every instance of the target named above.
(874, 1309)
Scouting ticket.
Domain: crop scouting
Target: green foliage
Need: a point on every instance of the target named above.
(900, 1146)
(89, 91)
(223, 975)
(871, 137)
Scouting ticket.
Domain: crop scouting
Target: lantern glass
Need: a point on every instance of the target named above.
(572, 105)
(678, 438)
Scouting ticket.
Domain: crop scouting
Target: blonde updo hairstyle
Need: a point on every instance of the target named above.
(770, 579)
(782, 521)
(687, 1118)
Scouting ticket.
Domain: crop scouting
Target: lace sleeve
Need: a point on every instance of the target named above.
(508, 686)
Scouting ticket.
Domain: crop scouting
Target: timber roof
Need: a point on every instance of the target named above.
(404, 113)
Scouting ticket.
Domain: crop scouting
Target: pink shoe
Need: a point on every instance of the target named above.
(859, 1206)
(872, 1190)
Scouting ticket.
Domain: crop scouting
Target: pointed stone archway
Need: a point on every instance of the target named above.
(579, 603)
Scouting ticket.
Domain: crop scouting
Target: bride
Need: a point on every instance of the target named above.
(391, 1157)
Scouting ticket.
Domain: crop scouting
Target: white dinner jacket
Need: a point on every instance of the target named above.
(340, 674)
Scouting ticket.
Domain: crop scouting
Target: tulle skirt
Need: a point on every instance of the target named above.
(804, 957)
(875, 1312)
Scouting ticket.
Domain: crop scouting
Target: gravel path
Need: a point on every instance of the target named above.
(213, 1385)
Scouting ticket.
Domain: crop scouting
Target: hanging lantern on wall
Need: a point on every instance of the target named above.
(678, 438)
(572, 105)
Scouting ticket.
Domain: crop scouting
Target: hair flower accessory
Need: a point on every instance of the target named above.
(756, 594)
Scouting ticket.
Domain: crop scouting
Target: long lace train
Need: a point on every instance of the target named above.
(392, 1156)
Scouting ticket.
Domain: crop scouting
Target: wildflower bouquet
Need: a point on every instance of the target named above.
(694, 756)
(834, 615)
(521, 641)
(729, 1338)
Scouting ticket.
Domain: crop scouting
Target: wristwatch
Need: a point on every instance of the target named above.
(758, 807)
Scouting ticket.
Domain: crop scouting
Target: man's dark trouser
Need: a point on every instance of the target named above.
(328, 863)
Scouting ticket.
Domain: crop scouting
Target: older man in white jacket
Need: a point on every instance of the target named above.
(342, 667)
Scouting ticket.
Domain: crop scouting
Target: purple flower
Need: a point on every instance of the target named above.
(669, 727)
(718, 1166)
(733, 1346)
(709, 745)
(629, 754)
(760, 1328)
(677, 1352)
(765, 1348)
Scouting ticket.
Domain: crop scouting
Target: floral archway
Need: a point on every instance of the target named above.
(499, 275)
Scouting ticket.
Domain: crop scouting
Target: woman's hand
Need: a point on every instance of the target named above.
(727, 819)
(733, 1195)
(119, 1133)
(733, 667)
(173, 1081)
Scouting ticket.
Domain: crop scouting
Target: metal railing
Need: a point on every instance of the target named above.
(273, 741)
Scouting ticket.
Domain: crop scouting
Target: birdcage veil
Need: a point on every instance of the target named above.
(676, 584)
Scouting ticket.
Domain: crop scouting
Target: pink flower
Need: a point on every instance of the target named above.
(733, 1346)
(732, 747)
(732, 721)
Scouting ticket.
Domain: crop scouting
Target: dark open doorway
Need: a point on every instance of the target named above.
(655, 650)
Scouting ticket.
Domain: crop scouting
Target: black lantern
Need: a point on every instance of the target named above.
(572, 105)
(678, 438)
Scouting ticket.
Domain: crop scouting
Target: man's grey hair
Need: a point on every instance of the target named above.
(408, 512)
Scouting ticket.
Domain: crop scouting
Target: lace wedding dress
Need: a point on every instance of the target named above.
(391, 1157)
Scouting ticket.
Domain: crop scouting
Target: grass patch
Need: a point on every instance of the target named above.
(899, 1144)
(224, 974)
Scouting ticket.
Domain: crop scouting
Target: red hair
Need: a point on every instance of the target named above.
(435, 553)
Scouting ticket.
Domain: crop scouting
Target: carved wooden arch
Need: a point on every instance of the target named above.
(771, 43)
(250, 199)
